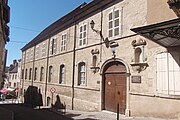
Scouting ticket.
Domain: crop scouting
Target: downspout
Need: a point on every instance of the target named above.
(47, 64)
(102, 38)
(74, 56)
(33, 66)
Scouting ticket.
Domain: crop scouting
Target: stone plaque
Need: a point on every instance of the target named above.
(136, 79)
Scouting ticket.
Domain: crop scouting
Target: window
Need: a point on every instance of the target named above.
(22, 74)
(30, 73)
(43, 49)
(15, 76)
(114, 23)
(82, 73)
(26, 74)
(53, 46)
(62, 74)
(168, 73)
(50, 73)
(37, 52)
(83, 35)
(14, 85)
(63, 42)
(42, 74)
(35, 74)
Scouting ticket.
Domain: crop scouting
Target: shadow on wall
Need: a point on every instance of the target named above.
(33, 96)
(59, 106)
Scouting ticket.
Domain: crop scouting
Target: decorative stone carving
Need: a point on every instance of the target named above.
(138, 42)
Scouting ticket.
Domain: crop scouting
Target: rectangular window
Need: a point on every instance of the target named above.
(83, 35)
(30, 73)
(63, 42)
(62, 74)
(26, 74)
(37, 52)
(168, 73)
(50, 73)
(53, 46)
(82, 73)
(43, 49)
(14, 85)
(42, 74)
(114, 23)
(35, 74)
(22, 74)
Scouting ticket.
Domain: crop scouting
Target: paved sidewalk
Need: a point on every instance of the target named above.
(103, 115)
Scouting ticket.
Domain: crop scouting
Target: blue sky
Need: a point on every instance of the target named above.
(29, 17)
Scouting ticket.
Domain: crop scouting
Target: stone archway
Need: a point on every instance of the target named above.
(114, 86)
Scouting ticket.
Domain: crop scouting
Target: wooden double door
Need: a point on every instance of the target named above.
(115, 91)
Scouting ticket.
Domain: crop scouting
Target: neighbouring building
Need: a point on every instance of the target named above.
(4, 33)
(14, 74)
(105, 54)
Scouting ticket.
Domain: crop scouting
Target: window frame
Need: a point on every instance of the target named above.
(62, 74)
(30, 73)
(83, 40)
(81, 72)
(35, 73)
(50, 74)
(26, 71)
(113, 23)
(63, 42)
(53, 46)
(41, 74)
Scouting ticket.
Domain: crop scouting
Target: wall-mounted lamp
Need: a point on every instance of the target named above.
(113, 46)
(92, 23)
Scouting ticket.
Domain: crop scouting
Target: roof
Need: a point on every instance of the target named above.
(69, 19)
(165, 33)
(14, 70)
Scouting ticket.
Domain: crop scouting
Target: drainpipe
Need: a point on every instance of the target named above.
(74, 56)
(33, 66)
(47, 64)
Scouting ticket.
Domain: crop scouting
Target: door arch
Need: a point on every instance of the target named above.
(114, 74)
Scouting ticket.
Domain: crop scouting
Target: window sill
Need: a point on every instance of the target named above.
(87, 88)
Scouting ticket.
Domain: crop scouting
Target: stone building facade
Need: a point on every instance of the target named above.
(4, 33)
(13, 74)
(92, 60)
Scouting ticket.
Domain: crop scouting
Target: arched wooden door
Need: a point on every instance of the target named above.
(115, 87)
